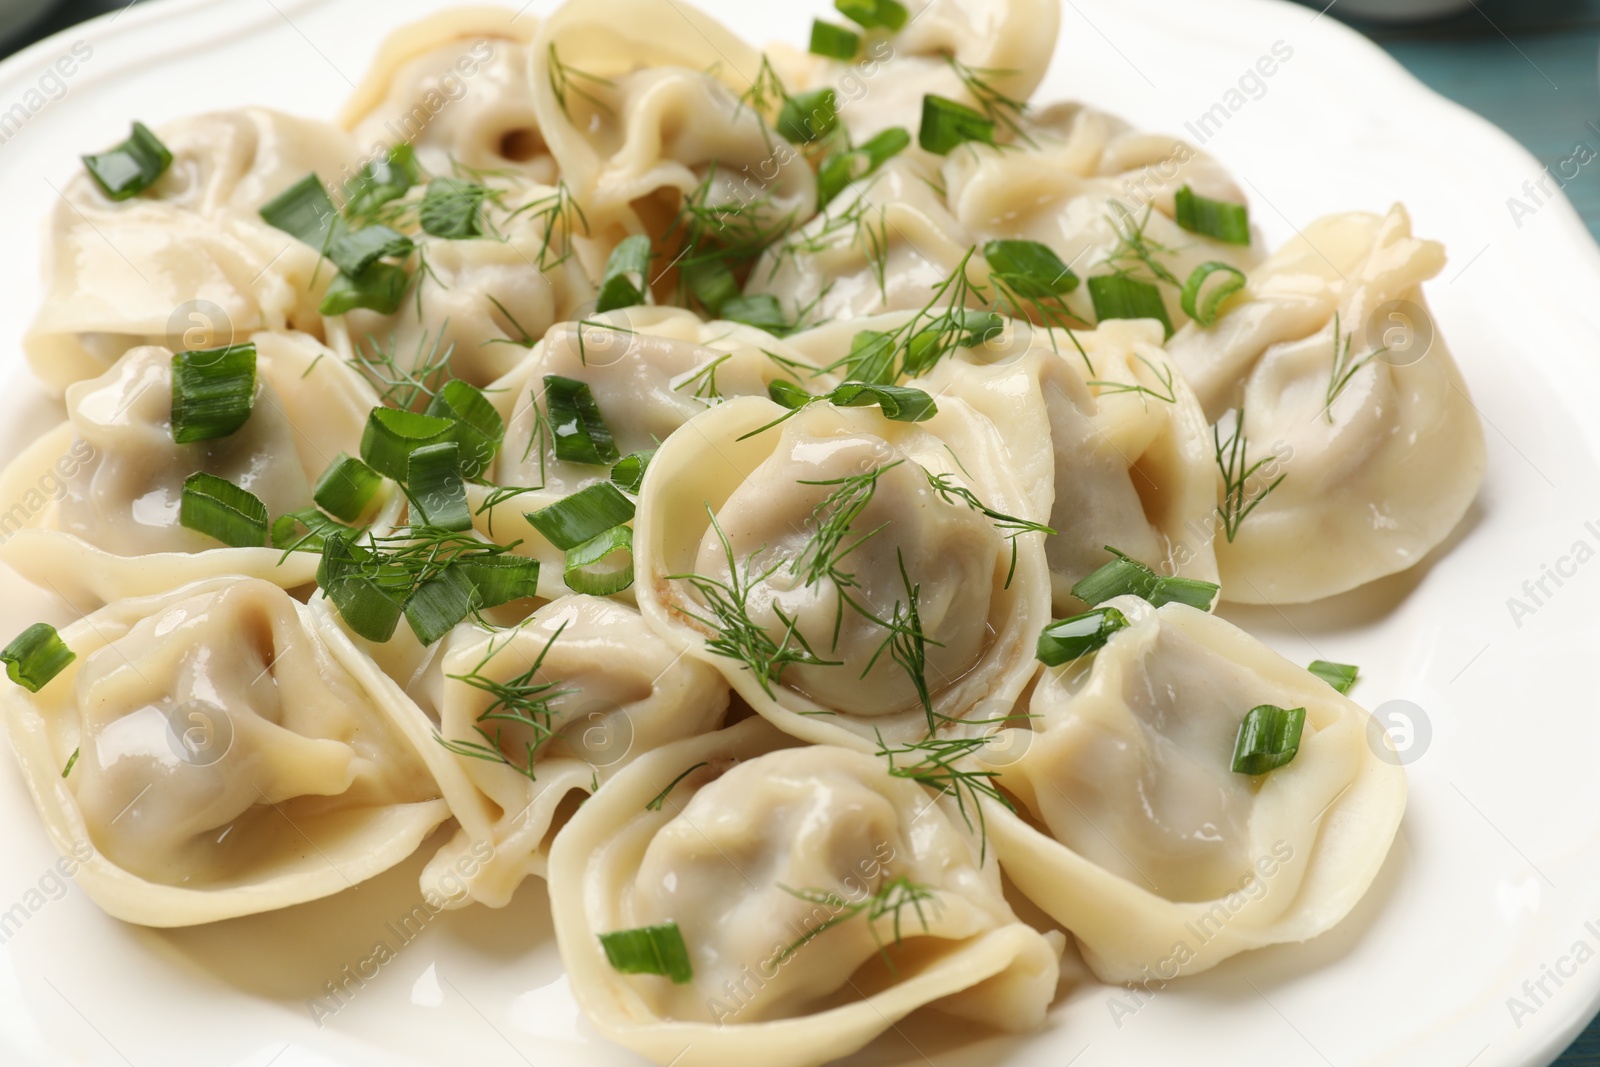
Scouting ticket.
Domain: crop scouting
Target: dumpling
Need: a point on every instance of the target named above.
(851, 576)
(1334, 361)
(1139, 837)
(1108, 438)
(751, 852)
(98, 511)
(219, 761)
(188, 263)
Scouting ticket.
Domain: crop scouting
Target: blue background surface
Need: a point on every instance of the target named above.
(1531, 67)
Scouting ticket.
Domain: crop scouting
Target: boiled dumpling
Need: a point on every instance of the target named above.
(222, 762)
(819, 900)
(1139, 837)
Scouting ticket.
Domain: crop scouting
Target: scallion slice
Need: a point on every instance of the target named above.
(366, 607)
(132, 167)
(1204, 310)
(1127, 576)
(1227, 222)
(218, 508)
(900, 403)
(650, 950)
(628, 474)
(451, 208)
(436, 489)
(381, 288)
(834, 42)
(213, 392)
(346, 488)
(304, 211)
(286, 535)
(1342, 676)
(382, 180)
(790, 395)
(439, 604)
(35, 656)
(627, 273)
(479, 427)
(1071, 639)
(842, 168)
(1117, 296)
(1268, 738)
(353, 251)
(946, 124)
(392, 435)
(712, 283)
(1030, 269)
(603, 565)
(583, 516)
(580, 432)
(874, 14)
(500, 579)
(761, 310)
(808, 116)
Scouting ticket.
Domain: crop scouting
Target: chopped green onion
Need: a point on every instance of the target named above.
(761, 311)
(304, 211)
(479, 427)
(1071, 639)
(835, 42)
(874, 14)
(346, 488)
(1342, 676)
(213, 392)
(132, 167)
(790, 395)
(808, 116)
(583, 516)
(1227, 222)
(392, 435)
(588, 570)
(353, 251)
(580, 432)
(500, 579)
(842, 168)
(1268, 738)
(381, 288)
(435, 487)
(218, 508)
(364, 605)
(1117, 296)
(628, 474)
(1127, 576)
(439, 604)
(286, 535)
(871, 356)
(450, 208)
(900, 403)
(382, 180)
(627, 272)
(36, 656)
(650, 950)
(946, 124)
(712, 283)
(1031, 269)
(1205, 311)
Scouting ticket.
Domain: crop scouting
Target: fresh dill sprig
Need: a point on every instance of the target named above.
(1163, 374)
(829, 230)
(518, 702)
(890, 899)
(766, 96)
(527, 340)
(945, 323)
(1344, 368)
(407, 384)
(661, 797)
(704, 380)
(1233, 460)
(1002, 109)
(906, 643)
(831, 524)
(565, 80)
(1134, 248)
(720, 240)
(953, 492)
(935, 767)
(555, 212)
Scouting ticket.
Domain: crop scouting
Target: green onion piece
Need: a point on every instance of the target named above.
(1227, 222)
(1031, 269)
(1205, 311)
(218, 508)
(603, 565)
(789, 395)
(1268, 738)
(36, 656)
(871, 357)
(583, 516)
(1071, 639)
(479, 427)
(628, 474)
(365, 606)
(1117, 296)
(132, 167)
(500, 579)
(286, 535)
(304, 211)
(761, 311)
(627, 271)
(946, 124)
(1125, 575)
(451, 207)
(435, 487)
(874, 14)
(808, 116)
(900, 403)
(439, 604)
(835, 42)
(650, 950)
(213, 392)
(381, 288)
(346, 488)
(391, 436)
(581, 434)
(382, 180)
(712, 283)
(1342, 676)
(842, 168)
(353, 251)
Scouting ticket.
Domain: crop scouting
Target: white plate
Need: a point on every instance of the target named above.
(1497, 869)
